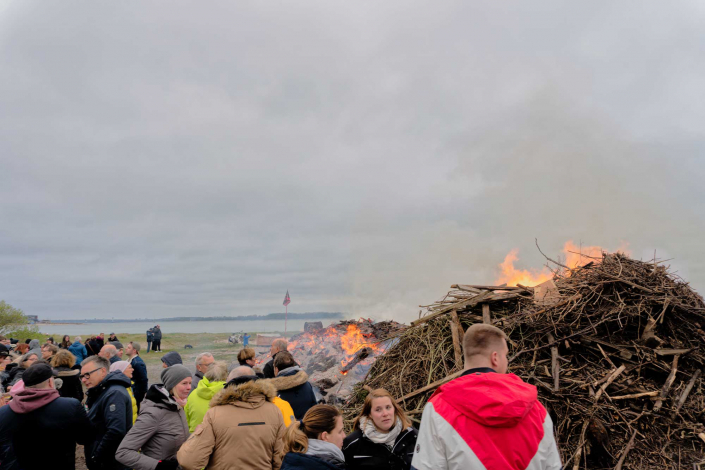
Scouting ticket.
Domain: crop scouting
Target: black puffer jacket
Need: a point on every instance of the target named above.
(110, 411)
(363, 454)
(71, 386)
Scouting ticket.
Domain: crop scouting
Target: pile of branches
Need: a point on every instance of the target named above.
(614, 353)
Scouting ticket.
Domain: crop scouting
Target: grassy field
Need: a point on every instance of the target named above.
(212, 342)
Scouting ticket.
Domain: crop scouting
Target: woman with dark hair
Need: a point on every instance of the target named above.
(63, 363)
(382, 437)
(161, 427)
(65, 342)
(314, 443)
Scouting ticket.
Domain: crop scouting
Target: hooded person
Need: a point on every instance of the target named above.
(292, 384)
(126, 368)
(109, 409)
(35, 346)
(171, 358)
(315, 442)
(39, 411)
(501, 427)
(242, 429)
(199, 400)
(161, 427)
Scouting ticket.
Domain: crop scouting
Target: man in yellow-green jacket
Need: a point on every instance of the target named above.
(212, 382)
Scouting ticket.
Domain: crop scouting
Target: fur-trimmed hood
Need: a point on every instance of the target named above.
(286, 382)
(248, 395)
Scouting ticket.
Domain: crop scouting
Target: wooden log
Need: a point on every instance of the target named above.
(555, 365)
(456, 306)
(629, 446)
(610, 379)
(686, 392)
(559, 304)
(667, 385)
(477, 286)
(671, 352)
(637, 395)
(431, 386)
(457, 350)
(486, 314)
(454, 316)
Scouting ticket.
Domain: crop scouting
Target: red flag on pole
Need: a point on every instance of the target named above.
(287, 299)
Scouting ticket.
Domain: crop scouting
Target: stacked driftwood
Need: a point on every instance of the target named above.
(614, 348)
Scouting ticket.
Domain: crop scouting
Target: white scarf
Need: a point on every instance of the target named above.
(370, 431)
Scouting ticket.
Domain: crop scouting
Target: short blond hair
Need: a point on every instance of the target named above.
(482, 339)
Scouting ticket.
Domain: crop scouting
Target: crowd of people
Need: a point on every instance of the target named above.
(237, 416)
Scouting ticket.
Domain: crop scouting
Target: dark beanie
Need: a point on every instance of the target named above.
(171, 376)
(172, 358)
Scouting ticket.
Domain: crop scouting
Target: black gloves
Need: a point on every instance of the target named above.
(171, 464)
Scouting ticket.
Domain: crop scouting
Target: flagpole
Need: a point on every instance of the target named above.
(286, 316)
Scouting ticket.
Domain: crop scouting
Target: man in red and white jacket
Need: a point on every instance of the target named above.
(485, 419)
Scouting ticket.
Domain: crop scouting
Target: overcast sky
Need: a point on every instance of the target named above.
(201, 158)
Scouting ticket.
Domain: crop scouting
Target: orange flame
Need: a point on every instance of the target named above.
(513, 276)
(575, 256)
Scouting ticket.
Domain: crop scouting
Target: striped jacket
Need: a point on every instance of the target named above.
(486, 421)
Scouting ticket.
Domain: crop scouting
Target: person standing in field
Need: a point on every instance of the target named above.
(485, 419)
(64, 368)
(315, 442)
(140, 381)
(39, 413)
(161, 428)
(245, 340)
(203, 362)
(241, 429)
(382, 435)
(78, 350)
(150, 339)
(199, 401)
(278, 345)
(292, 384)
(109, 409)
(157, 344)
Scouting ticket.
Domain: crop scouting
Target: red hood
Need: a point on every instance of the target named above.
(30, 399)
(492, 400)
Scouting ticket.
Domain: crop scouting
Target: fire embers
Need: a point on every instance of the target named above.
(339, 356)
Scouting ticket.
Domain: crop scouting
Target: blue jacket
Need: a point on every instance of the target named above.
(296, 461)
(139, 379)
(78, 350)
(62, 422)
(150, 336)
(110, 411)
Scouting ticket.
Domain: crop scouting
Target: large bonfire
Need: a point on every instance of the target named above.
(613, 347)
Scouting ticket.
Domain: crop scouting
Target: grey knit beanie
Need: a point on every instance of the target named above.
(171, 376)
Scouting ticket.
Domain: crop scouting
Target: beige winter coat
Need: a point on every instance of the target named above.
(242, 429)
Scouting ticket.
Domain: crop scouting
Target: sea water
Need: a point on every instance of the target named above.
(219, 326)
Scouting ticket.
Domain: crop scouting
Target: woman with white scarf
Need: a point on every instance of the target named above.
(314, 443)
(382, 437)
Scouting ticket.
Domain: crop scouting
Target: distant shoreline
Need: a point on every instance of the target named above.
(270, 316)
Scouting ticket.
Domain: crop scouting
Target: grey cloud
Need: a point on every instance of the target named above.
(181, 159)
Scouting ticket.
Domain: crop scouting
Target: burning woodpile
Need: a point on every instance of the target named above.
(340, 355)
(613, 346)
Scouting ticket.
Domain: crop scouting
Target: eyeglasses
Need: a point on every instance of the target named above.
(87, 375)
